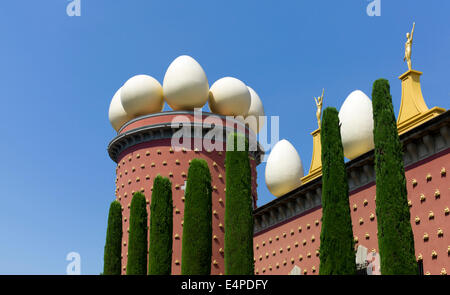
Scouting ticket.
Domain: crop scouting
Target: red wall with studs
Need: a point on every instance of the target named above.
(295, 242)
(136, 170)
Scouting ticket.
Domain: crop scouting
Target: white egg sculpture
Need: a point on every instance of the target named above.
(256, 110)
(356, 121)
(229, 97)
(185, 85)
(284, 169)
(117, 115)
(142, 95)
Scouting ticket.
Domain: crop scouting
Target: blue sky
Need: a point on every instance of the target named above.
(59, 73)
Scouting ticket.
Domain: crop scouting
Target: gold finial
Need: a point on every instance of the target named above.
(319, 102)
(408, 47)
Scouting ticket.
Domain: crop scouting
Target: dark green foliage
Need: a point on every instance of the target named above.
(395, 236)
(238, 211)
(161, 228)
(197, 226)
(337, 250)
(137, 239)
(113, 246)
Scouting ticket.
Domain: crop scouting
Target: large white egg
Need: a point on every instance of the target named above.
(229, 97)
(255, 111)
(185, 85)
(117, 115)
(356, 121)
(284, 169)
(142, 95)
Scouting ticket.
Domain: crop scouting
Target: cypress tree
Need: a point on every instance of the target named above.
(197, 226)
(113, 246)
(161, 228)
(395, 235)
(238, 211)
(337, 247)
(137, 239)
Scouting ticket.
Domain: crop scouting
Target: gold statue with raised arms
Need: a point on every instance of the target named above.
(408, 47)
(319, 102)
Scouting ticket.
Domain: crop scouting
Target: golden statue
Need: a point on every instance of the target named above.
(408, 46)
(319, 102)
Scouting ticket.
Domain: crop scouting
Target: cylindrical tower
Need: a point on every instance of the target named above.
(165, 143)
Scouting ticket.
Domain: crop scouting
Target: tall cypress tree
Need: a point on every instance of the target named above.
(337, 247)
(137, 239)
(238, 211)
(113, 246)
(197, 226)
(161, 228)
(395, 235)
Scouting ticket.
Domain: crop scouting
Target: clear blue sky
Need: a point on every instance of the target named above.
(58, 74)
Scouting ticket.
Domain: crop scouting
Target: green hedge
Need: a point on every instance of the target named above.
(337, 246)
(197, 226)
(161, 228)
(395, 236)
(137, 239)
(238, 211)
(113, 246)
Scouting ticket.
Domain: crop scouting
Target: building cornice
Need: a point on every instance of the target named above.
(165, 130)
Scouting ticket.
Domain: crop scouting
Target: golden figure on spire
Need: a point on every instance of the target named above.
(319, 102)
(408, 46)
(315, 170)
